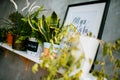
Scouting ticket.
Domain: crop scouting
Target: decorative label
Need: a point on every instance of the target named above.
(32, 46)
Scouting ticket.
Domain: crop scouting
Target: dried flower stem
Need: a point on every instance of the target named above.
(28, 3)
(15, 5)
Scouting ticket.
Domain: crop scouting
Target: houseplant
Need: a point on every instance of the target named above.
(34, 17)
(7, 28)
(47, 27)
(20, 31)
(14, 27)
(67, 61)
(35, 38)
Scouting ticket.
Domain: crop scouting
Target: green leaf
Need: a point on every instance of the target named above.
(35, 68)
(44, 28)
(37, 12)
(117, 63)
(54, 21)
(118, 41)
(78, 74)
(107, 49)
(24, 19)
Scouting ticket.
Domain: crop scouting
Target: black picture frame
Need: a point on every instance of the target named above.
(101, 21)
(91, 5)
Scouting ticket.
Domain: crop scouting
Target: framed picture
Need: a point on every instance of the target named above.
(88, 17)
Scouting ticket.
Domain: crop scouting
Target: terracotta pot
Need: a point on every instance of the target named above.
(9, 39)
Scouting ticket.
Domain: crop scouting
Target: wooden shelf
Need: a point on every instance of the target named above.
(21, 53)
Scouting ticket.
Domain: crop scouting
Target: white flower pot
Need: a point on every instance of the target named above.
(55, 48)
(34, 48)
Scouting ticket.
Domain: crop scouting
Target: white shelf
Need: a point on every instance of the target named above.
(21, 53)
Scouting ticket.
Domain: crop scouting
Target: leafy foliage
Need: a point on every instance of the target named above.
(66, 60)
(34, 20)
(47, 27)
(15, 18)
(109, 49)
(6, 24)
(20, 27)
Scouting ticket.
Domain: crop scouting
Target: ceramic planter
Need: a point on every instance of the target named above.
(55, 48)
(33, 47)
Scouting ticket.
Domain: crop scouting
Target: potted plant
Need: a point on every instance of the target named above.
(47, 27)
(7, 28)
(34, 40)
(20, 31)
(75, 59)
(66, 59)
